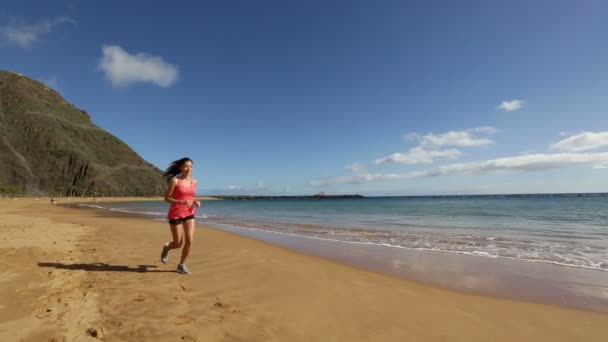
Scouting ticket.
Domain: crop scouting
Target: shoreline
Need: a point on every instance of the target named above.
(513, 279)
(105, 271)
(508, 278)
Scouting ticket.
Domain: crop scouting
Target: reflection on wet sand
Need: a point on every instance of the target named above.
(534, 281)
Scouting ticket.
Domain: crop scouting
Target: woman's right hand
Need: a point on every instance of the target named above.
(187, 202)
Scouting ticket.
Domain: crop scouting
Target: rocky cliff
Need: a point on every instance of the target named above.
(50, 147)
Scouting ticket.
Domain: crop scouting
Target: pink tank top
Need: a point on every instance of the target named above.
(183, 192)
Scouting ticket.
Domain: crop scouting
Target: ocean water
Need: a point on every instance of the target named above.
(568, 230)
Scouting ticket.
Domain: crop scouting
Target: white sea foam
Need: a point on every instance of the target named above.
(555, 254)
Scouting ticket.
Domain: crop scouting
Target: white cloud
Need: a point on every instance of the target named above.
(509, 106)
(430, 145)
(25, 35)
(258, 186)
(484, 129)
(418, 155)
(582, 142)
(530, 162)
(123, 69)
(525, 163)
(455, 138)
(412, 136)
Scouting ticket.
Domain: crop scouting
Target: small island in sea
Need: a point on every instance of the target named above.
(316, 196)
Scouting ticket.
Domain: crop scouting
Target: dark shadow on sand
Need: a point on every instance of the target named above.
(102, 267)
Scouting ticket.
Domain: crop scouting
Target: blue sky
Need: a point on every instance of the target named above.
(370, 97)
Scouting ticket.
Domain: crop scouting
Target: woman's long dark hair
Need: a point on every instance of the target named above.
(174, 168)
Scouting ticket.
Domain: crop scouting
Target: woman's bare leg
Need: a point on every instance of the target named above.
(189, 237)
(177, 232)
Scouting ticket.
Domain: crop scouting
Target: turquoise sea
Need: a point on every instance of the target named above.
(564, 229)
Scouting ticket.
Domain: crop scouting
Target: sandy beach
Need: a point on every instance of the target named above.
(76, 275)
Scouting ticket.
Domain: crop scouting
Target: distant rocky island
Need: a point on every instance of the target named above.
(317, 196)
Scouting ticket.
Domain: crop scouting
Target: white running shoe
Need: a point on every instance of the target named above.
(164, 255)
(183, 269)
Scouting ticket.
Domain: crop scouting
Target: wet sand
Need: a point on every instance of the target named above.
(546, 283)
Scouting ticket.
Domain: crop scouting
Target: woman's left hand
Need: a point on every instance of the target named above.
(197, 204)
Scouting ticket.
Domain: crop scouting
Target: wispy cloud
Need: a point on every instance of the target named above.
(25, 35)
(509, 106)
(349, 179)
(484, 129)
(430, 146)
(357, 168)
(454, 138)
(257, 187)
(524, 163)
(123, 68)
(530, 162)
(584, 141)
(419, 155)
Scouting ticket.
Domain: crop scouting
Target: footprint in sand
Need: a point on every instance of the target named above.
(219, 303)
(115, 323)
(42, 315)
(224, 306)
(183, 319)
(140, 298)
(93, 332)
